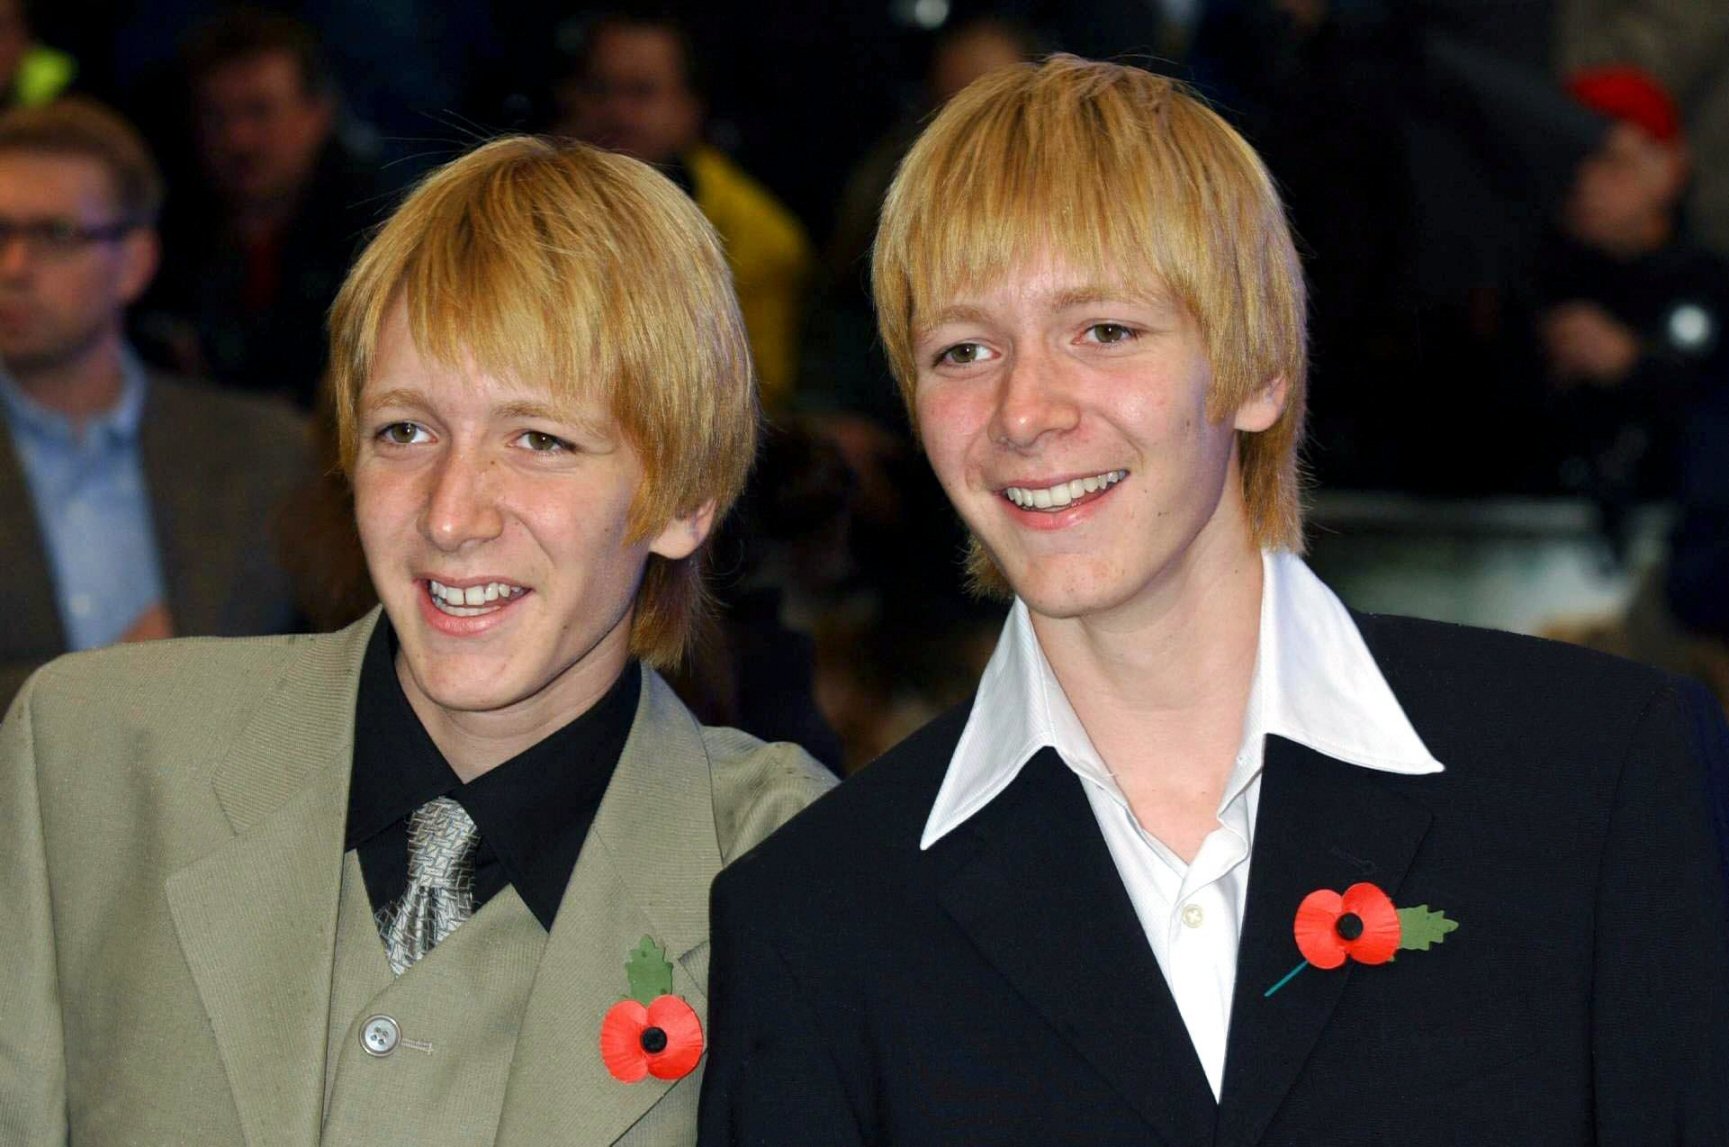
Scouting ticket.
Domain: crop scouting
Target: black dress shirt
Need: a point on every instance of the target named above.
(533, 811)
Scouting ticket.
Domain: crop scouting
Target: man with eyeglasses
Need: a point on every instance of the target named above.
(132, 506)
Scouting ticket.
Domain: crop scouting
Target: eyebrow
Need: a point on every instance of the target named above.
(534, 408)
(397, 396)
(954, 313)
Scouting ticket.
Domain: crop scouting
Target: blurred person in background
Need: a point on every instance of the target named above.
(1633, 338)
(898, 636)
(1683, 45)
(844, 373)
(255, 251)
(132, 505)
(30, 72)
(1630, 328)
(636, 88)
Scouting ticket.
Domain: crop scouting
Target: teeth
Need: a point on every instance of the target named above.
(1063, 493)
(472, 600)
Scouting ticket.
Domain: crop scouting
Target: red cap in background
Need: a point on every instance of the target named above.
(1623, 92)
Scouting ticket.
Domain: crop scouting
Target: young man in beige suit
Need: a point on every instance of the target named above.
(384, 885)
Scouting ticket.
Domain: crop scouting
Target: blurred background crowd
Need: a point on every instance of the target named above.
(1514, 215)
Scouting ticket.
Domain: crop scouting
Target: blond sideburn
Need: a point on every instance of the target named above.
(1138, 185)
(557, 265)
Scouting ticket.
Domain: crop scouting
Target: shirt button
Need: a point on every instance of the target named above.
(80, 603)
(380, 1035)
(1193, 916)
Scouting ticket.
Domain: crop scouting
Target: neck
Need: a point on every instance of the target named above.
(1162, 684)
(475, 742)
(81, 387)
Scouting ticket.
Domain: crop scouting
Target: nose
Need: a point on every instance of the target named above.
(462, 505)
(1032, 400)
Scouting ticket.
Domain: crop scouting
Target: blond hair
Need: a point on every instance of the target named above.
(81, 127)
(1130, 178)
(592, 274)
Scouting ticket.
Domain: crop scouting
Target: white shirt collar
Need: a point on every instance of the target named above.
(1315, 683)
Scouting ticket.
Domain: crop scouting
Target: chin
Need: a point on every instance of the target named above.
(1064, 589)
(472, 683)
(469, 692)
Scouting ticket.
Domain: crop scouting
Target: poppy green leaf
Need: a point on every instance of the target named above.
(1419, 928)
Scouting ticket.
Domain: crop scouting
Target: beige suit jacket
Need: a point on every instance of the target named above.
(171, 847)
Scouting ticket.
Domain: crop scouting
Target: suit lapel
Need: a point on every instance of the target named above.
(645, 870)
(1043, 902)
(257, 918)
(1322, 824)
(33, 616)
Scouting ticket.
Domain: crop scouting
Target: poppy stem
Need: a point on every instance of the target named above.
(1289, 976)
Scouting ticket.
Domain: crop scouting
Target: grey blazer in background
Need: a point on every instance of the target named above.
(218, 466)
(172, 821)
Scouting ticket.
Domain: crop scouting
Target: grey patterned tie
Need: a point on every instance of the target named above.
(440, 895)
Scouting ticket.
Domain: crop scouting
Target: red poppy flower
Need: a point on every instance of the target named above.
(663, 1040)
(1362, 924)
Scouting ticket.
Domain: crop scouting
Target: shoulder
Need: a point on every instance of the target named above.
(757, 786)
(260, 422)
(210, 405)
(861, 830)
(1488, 661)
(1487, 694)
(157, 714)
(159, 682)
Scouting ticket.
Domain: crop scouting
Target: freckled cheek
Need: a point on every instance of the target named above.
(951, 428)
(382, 505)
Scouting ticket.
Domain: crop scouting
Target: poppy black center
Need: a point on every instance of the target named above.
(1350, 926)
(653, 1040)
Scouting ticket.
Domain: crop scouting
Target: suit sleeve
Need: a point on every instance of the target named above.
(1660, 1012)
(773, 1076)
(32, 1042)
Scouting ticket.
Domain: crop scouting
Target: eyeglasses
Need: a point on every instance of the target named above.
(60, 238)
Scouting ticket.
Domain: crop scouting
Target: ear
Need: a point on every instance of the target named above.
(140, 253)
(1262, 408)
(680, 537)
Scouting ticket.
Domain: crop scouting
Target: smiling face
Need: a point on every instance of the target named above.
(1067, 421)
(476, 489)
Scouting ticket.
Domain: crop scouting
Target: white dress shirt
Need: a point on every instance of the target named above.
(1315, 683)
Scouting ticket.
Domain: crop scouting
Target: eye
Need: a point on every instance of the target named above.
(541, 442)
(1110, 334)
(403, 434)
(962, 354)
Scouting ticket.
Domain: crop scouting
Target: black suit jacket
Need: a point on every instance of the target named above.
(998, 989)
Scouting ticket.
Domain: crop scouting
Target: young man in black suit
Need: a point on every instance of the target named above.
(1147, 886)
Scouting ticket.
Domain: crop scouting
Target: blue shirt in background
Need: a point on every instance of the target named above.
(93, 508)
